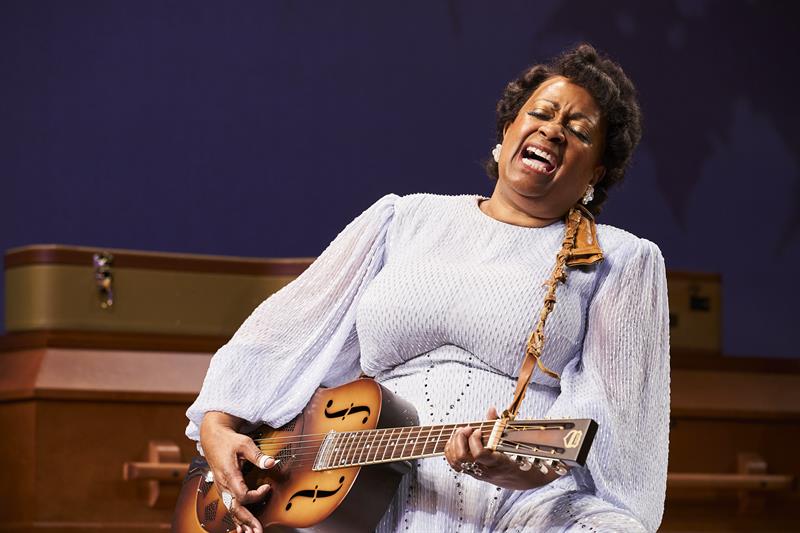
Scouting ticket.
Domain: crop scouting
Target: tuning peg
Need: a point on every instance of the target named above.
(557, 466)
(540, 464)
(554, 464)
(524, 463)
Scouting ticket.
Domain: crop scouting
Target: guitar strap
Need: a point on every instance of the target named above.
(579, 248)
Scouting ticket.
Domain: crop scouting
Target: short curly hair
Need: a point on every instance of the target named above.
(612, 90)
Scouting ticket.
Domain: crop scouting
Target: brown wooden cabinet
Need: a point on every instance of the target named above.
(72, 417)
(735, 428)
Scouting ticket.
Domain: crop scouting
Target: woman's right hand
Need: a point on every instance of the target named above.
(225, 450)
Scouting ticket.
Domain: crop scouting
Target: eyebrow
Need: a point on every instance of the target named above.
(573, 115)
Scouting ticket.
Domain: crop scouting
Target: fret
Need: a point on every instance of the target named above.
(355, 449)
(362, 446)
(428, 438)
(372, 445)
(379, 448)
(343, 442)
(378, 434)
(389, 442)
(414, 442)
(415, 435)
(411, 442)
(406, 442)
(439, 439)
(397, 443)
(385, 440)
(392, 443)
(350, 443)
(359, 447)
(339, 449)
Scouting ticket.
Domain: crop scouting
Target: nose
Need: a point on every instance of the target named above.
(552, 132)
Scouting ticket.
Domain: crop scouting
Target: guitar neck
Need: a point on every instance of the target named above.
(369, 447)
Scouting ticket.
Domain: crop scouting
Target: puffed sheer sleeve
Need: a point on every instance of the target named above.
(622, 382)
(300, 336)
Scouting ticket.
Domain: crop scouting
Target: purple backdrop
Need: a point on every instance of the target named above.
(262, 128)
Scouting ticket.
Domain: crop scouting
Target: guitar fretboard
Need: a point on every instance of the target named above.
(359, 448)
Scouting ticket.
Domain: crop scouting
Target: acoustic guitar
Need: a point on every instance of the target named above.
(358, 431)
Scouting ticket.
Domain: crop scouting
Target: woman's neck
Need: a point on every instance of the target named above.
(500, 208)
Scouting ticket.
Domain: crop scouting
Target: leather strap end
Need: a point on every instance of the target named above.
(587, 250)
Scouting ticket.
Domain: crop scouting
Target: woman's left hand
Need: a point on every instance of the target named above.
(466, 453)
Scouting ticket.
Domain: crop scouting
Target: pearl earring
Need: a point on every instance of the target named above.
(588, 195)
(496, 153)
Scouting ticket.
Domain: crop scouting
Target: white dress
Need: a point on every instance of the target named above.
(436, 299)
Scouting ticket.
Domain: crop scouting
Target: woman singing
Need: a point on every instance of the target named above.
(435, 297)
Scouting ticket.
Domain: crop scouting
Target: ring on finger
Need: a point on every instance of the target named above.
(228, 500)
(472, 468)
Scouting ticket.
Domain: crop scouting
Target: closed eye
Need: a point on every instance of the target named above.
(580, 135)
(539, 114)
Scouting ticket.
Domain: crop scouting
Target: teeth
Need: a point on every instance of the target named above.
(541, 153)
(536, 165)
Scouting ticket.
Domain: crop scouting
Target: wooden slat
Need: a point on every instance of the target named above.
(110, 340)
(78, 255)
(763, 482)
(686, 359)
(80, 374)
(742, 395)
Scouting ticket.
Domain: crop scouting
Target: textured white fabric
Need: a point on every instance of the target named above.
(436, 299)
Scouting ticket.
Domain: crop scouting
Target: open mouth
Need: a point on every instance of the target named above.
(538, 159)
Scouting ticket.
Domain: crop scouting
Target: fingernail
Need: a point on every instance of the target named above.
(262, 462)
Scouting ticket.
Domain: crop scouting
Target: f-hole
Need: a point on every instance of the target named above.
(344, 413)
(315, 493)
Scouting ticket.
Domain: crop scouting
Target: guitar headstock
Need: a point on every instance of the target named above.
(565, 440)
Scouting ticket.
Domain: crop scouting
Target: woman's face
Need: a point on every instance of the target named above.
(552, 150)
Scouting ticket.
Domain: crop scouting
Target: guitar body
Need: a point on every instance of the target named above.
(301, 498)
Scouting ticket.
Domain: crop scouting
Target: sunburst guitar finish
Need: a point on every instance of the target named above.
(300, 497)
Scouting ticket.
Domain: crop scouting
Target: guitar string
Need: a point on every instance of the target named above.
(348, 437)
(392, 433)
(513, 425)
(354, 455)
(361, 445)
(315, 444)
(304, 463)
(312, 450)
(289, 439)
(464, 424)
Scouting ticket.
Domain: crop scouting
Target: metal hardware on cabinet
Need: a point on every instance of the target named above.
(104, 278)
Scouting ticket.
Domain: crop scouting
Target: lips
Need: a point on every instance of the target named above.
(539, 158)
